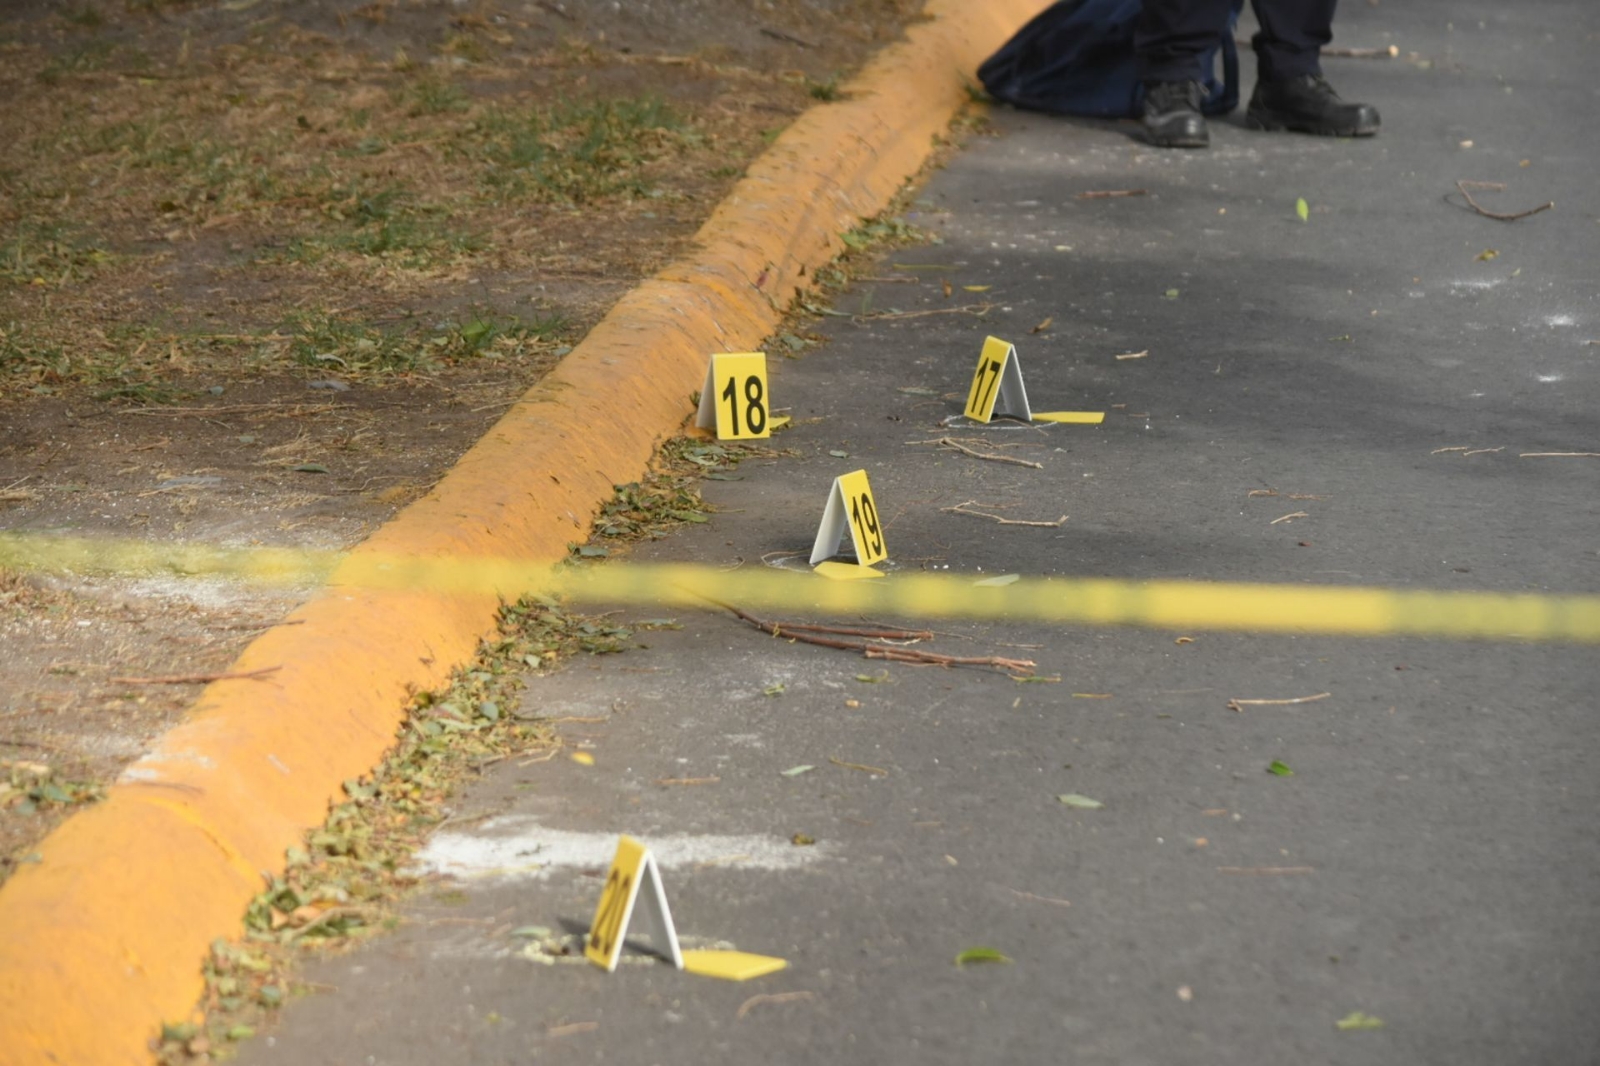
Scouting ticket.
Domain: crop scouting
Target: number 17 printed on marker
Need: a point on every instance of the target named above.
(986, 380)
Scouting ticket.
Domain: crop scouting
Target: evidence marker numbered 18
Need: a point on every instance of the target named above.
(851, 509)
(997, 384)
(634, 870)
(734, 400)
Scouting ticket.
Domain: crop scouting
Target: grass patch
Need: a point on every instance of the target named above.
(326, 342)
(51, 254)
(575, 153)
(79, 59)
(827, 90)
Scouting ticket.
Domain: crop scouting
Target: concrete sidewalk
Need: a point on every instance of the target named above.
(1432, 860)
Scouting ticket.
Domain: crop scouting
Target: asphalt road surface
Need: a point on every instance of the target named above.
(1382, 366)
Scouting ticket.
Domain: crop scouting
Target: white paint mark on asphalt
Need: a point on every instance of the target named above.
(516, 847)
(1550, 379)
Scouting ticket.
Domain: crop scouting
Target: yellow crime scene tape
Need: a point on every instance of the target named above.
(1174, 605)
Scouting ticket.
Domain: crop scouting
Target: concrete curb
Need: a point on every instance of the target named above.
(101, 940)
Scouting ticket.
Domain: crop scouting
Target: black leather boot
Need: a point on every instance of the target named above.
(1172, 116)
(1308, 104)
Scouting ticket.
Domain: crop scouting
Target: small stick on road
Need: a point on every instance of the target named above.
(784, 35)
(890, 652)
(1240, 705)
(962, 508)
(1558, 455)
(1496, 186)
(1037, 899)
(859, 766)
(951, 442)
(770, 997)
(879, 632)
(885, 316)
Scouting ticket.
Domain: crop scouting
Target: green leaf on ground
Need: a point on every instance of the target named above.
(1359, 1020)
(873, 679)
(1302, 209)
(1083, 803)
(980, 955)
(796, 771)
(1172, 294)
(1279, 768)
(310, 468)
(837, 454)
(774, 689)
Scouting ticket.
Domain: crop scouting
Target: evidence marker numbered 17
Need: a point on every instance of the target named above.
(734, 400)
(634, 871)
(997, 384)
(851, 509)
(997, 389)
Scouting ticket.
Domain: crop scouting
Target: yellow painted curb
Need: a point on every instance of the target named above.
(102, 939)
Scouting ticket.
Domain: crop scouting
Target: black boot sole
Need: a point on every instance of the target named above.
(1262, 120)
(1177, 142)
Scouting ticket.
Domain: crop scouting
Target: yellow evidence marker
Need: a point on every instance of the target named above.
(1074, 418)
(734, 397)
(632, 866)
(632, 870)
(731, 965)
(997, 384)
(850, 507)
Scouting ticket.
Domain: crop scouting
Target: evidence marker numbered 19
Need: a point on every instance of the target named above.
(634, 870)
(851, 509)
(734, 400)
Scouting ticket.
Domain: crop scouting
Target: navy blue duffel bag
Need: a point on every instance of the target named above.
(1076, 58)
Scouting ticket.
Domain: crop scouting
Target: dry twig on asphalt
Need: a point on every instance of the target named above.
(784, 35)
(963, 508)
(770, 997)
(875, 770)
(1291, 516)
(1496, 186)
(1037, 899)
(1239, 705)
(876, 631)
(1558, 455)
(886, 316)
(888, 652)
(951, 442)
